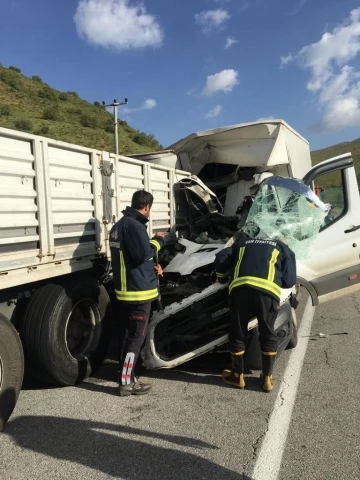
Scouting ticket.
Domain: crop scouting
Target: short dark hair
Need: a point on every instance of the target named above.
(141, 199)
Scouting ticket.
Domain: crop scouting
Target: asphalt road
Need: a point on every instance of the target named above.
(193, 427)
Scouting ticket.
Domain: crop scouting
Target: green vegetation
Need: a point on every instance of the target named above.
(333, 151)
(51, 113)
(30, 105)
(23, 124)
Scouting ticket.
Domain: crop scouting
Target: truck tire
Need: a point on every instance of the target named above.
(11, 369)
(65, 331)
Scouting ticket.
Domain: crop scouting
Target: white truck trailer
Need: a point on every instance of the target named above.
(58, 202)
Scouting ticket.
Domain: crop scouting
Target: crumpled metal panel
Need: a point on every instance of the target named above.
(288, 210)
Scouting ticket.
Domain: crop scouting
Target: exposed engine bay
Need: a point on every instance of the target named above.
(195, 316)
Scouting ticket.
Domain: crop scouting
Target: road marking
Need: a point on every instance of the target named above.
(268, 463)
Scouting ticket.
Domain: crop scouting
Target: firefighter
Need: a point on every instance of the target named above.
(259, 269)
(135, 285)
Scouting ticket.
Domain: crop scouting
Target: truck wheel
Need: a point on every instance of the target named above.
(294, 337)
(11, 369)
(65, 331)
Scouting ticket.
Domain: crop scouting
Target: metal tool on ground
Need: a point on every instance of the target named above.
(325, 335)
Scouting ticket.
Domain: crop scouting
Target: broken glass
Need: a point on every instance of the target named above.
(288, 210)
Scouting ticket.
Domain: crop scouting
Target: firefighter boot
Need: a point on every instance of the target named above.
(268, 360)
(235, 376)
(134, 388)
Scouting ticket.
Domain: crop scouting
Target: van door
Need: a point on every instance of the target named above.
(333, 269)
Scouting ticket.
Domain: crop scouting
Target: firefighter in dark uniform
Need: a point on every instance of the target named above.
(135, 285)
(259, 269)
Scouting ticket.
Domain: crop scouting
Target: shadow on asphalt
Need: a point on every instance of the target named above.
(205, 370)
(104, 447)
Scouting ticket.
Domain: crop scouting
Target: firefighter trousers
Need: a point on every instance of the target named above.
(247, 303)
(134, 319)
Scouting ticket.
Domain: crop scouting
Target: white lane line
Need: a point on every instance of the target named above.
(268, 463)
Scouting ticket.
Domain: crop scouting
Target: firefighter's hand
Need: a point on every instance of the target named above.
(160, 234)
(159, 271)
(217, 280)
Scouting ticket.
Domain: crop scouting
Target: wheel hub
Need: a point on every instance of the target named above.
(80, 328)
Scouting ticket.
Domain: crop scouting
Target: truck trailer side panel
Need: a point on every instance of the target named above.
(59, 201)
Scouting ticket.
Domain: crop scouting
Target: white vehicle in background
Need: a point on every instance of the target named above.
(59, 201)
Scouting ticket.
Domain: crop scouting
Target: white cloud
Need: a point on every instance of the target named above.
(211, 20)
(230, 41)
(149, 104)
(223, 81)
(244, 6)
(191, 91)
(214, 112)
(263, 119)
(333, 79)
(285, 59)
(117, 24)
(297, 7)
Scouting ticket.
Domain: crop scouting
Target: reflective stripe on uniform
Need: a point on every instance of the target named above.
(122, 272)
(221, 275)
(256, 282)
(237, 268)
(140, 296)
(272, 263)
(155, 244)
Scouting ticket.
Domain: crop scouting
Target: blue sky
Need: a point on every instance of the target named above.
(191, 65)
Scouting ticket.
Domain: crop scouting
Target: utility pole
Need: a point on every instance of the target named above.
(116, 104)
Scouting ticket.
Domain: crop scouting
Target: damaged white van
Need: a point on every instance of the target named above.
(226, 164)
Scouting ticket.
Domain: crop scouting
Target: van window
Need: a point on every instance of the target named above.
(330, 188)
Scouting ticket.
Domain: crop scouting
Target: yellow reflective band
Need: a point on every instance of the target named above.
(256, 282)
(270, 354)
(141, 296)
(236, 354)
(155, 244)
(237, 268)
(272, 263)
(122, 272)
(221, 275)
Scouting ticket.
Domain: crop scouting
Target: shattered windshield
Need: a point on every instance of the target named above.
(287, 209)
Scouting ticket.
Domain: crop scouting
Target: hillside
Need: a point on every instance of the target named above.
(29, 104)
(335, 150)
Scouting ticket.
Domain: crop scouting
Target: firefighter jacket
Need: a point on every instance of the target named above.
(263, 264)
(132, 258)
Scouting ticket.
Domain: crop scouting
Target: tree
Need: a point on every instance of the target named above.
(97, 104)
(50, 114)
(44, 130)
(16, 69)
(109, 126)
(5, 110)
(89, 121)
(36, 78)
(140, 138)
(47, 93)
(63, 96)
(23, 124)
(10, 78)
